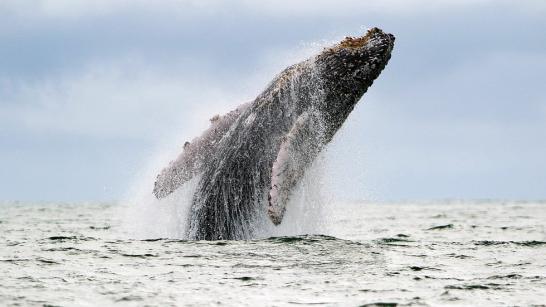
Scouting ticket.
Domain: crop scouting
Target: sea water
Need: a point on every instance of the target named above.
(387, 254)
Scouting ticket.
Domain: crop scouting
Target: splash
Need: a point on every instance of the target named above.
(171, 216)
(308, 211)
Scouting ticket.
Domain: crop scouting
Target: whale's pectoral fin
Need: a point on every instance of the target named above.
(297, 151)
(195, 154)
(177, 173)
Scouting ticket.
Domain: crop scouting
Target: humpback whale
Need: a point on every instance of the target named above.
(249, 161)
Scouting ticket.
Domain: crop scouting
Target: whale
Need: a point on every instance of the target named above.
(248, 163)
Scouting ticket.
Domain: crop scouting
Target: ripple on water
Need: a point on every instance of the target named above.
(374, 255)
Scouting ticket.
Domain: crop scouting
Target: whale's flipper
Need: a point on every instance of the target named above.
(298, 149)
(178, 172)
(196, 154)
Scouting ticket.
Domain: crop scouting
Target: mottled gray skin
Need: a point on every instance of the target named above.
(283, 129)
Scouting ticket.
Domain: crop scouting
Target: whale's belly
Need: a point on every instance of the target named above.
(233, 190)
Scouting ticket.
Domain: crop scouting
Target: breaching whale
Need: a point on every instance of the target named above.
(250, 160)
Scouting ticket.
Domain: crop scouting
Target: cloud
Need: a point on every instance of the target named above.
(78, 9)
(112, 101)
(461, 96)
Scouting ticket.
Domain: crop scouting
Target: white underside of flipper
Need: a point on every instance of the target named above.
(298, 149)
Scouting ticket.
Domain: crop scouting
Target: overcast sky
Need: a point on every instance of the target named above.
(94, 93)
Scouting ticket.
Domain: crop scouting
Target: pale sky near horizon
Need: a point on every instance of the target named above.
(95, 94)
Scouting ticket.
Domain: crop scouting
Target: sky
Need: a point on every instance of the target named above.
(95, 95)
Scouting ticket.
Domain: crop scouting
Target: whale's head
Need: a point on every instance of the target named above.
(348, 69)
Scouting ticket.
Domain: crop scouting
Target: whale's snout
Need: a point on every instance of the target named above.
(348, 69)
(357, 59)
(380, 43)
(375, 41)
(374, 47)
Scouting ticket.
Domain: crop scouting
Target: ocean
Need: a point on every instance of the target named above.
(488, 253)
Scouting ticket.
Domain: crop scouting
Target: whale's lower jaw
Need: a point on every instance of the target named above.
(251, 159)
